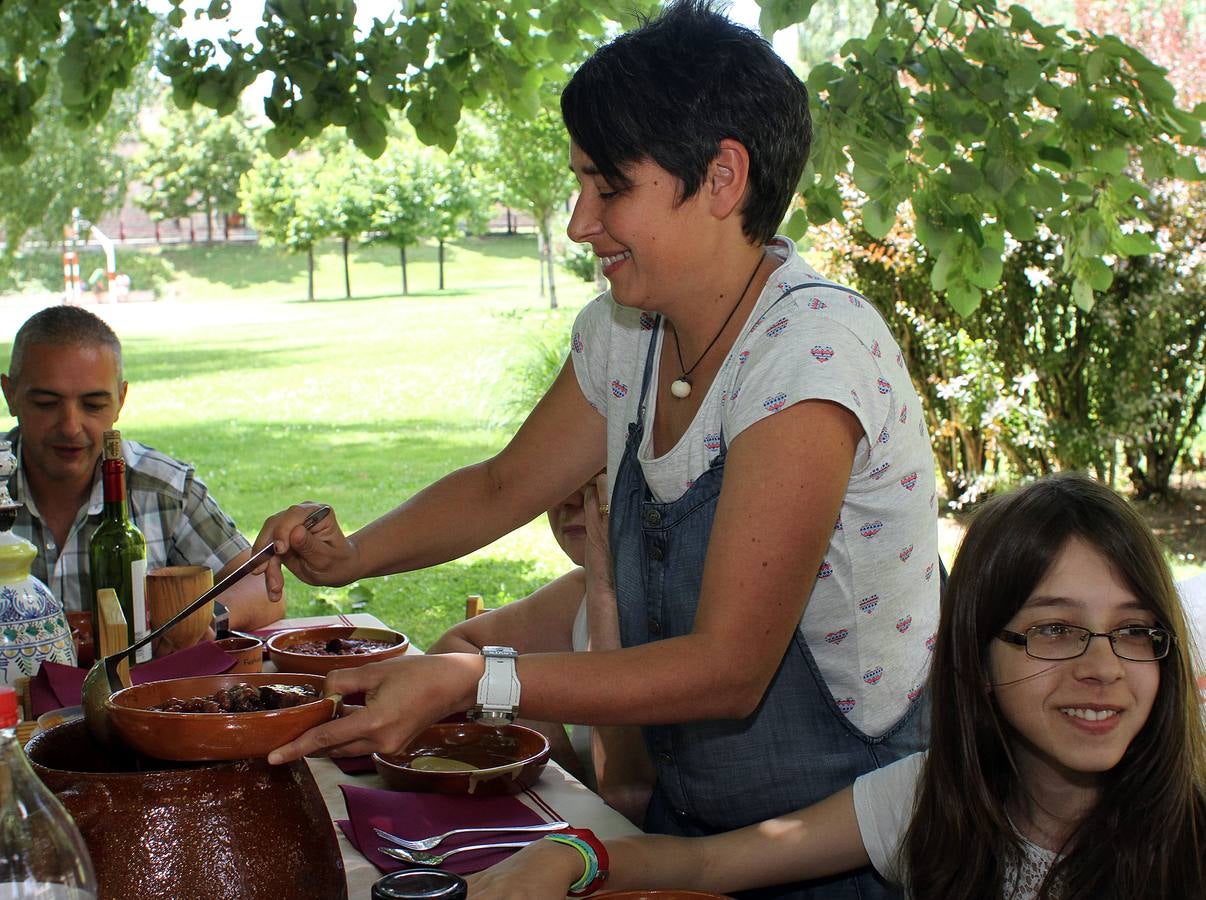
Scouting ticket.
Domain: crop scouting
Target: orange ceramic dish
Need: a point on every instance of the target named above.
(195, 737)
(247, 653)
(467, 758)
(663, 894)
(286, 659)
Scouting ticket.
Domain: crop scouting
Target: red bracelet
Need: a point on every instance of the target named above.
(594, 856)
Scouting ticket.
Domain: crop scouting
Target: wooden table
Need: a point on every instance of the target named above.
(571, 799)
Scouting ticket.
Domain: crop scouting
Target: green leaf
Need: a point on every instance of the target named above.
(1082, 294)
(965, 177)
(1095, 65)
(877, 219)
(1023, 75)
(796, 225)
(779, 14)
(948, 261)
(1020, 223)
(1135, 244)
(1111, 160)
(944, 14)
(1099, 274)
(964, 298)
(1056, 157)
(987, 274)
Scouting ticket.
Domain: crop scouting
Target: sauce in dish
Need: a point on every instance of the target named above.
(340, 647)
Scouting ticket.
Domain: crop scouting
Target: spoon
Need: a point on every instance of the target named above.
(102, 679)
(419, 858)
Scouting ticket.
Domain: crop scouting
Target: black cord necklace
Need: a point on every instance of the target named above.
(681, 386)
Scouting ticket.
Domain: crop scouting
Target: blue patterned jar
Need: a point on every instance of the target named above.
(33, 626)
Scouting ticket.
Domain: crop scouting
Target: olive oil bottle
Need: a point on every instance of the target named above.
(117, 552)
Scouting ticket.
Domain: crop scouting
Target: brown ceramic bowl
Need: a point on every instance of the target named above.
(467, 758)
(286, 659)
(665, 894)
(194, 737)
(247, 652)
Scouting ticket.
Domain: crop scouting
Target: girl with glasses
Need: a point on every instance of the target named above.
(1067, 758)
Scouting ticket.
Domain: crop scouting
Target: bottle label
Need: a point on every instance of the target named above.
(138, 584)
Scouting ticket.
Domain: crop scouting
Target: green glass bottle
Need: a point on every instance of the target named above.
(117, 552)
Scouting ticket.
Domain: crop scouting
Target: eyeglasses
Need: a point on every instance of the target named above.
(1056, 641)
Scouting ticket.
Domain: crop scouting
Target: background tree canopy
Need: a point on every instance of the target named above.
(991, 124)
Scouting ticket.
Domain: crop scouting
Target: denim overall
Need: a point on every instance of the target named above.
(795, 749)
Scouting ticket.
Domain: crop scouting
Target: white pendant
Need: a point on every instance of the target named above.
(680, 388)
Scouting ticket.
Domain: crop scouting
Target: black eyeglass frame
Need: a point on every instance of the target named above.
(1022, 639)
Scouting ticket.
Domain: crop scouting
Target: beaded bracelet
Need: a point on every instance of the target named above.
(594, 856)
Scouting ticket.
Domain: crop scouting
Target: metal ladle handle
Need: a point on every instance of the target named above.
(237, 575)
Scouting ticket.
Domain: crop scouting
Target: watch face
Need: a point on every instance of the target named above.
(500, 651)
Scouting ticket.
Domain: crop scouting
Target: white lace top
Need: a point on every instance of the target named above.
(883, 804)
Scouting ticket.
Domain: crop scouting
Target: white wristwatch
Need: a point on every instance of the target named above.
(498, 691)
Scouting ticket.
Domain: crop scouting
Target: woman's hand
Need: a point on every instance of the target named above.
(402, 697)
(543, 870)
(323, 555)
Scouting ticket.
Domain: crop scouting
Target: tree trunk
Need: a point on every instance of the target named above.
(347, 274)
(310, 272)
(405, 286)
(441, 264)
(546, 229)
(540, 254)
(209, 224)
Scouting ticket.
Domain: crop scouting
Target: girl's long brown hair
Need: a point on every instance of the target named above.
(1146, 838)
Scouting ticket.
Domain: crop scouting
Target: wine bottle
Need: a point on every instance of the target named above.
(42, 855)
(117, 552)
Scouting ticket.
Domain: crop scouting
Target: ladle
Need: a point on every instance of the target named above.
(102, 679)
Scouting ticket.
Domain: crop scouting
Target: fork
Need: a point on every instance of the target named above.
(419, 858)
(436, 840)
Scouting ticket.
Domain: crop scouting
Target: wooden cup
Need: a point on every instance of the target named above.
(170, 590)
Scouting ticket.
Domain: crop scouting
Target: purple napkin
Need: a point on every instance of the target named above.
(355, 765)
(411, 815)
(56, 685)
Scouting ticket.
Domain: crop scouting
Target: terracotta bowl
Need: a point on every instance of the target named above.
(241, 830)
(663, 894)
(467, 758)
(286, 659)
(191, 737)
(248, 653)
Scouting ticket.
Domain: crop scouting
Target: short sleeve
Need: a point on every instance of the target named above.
(589, 348)
(883, 806)
(204, 534)
(796, 354)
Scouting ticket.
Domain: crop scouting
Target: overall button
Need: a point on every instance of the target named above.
(653, 517)
(655, 627)
(655, 553)
(665, 757)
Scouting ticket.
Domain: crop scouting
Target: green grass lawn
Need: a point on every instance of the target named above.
(358, 403)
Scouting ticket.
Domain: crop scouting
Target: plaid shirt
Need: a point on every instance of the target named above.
(181, 522)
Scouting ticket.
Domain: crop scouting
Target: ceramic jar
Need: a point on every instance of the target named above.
(240, 830)
(33, 626)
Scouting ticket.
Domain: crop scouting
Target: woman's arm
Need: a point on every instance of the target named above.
(784, 482)
(820, 840)
(560, 445)
(541, 622)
